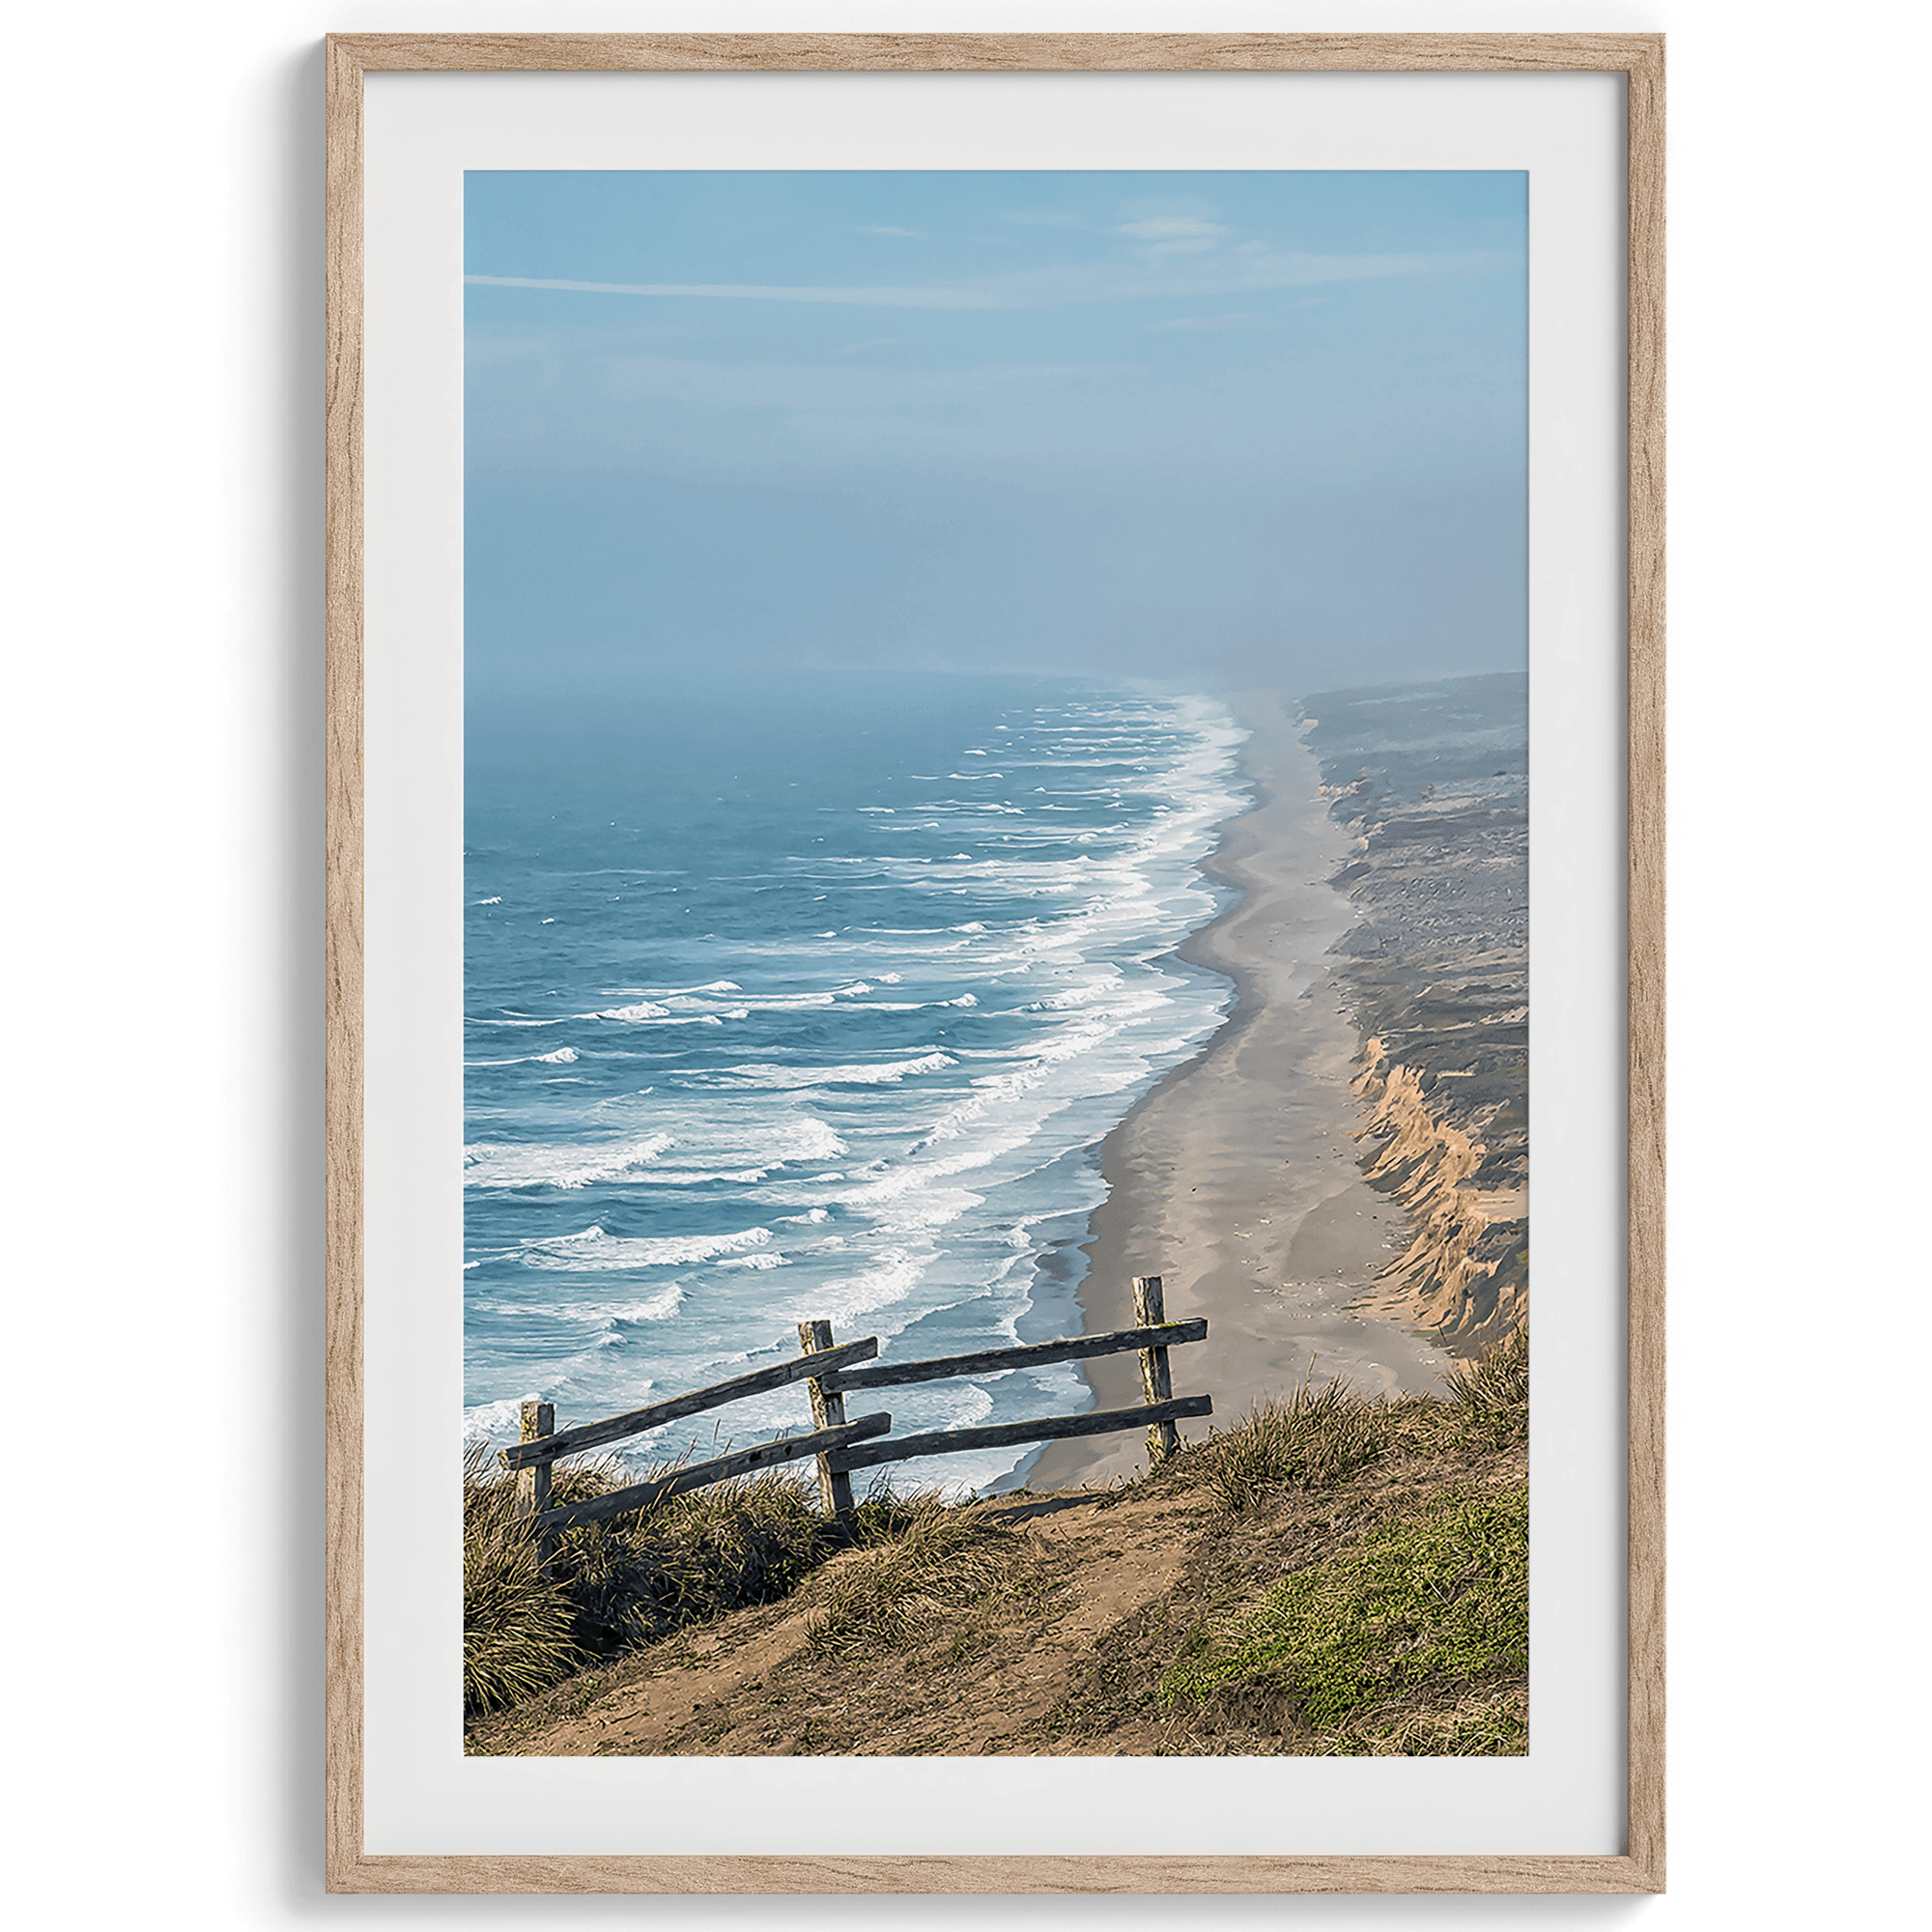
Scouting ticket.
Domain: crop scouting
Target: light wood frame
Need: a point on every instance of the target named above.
(1639, 57)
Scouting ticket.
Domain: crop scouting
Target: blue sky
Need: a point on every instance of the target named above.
(1210, 428)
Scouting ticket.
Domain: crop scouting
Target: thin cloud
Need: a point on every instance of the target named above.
(1244, 270)
(1206, 324)
(758, 292)
(1169, 227)
(846, 389)
(1162, 236)
(1240, 318)
(910, 234)
(1197, 278)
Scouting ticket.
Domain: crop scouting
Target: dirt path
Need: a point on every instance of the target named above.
(749, 1685)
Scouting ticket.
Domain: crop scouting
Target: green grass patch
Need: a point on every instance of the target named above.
(1437, 1600)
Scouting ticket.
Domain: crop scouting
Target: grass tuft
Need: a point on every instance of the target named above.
(946, 1562)
(632, 1579)
(1489, 1722)
(1491, 1394)
(518, 1625)
(1313, 1438)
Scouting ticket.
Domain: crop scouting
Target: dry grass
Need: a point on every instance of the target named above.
(1315, 1437)
(1491, 1395)
(632, 1579)
(518, 1625)
(1491, 1721)
(1347, 1581)
(951, 1570)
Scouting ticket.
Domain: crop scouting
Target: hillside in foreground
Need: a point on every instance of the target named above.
(1331, 1576)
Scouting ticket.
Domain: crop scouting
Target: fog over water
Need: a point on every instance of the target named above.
(1251, 427)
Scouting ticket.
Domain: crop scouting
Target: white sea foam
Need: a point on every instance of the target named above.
(595, 1252)
(658, 1307)
(788, 1078)
(943, 1197)
(493, 1421)
(562, 1056)
(571, 1165)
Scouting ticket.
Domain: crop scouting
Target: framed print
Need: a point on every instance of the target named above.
(995, 798)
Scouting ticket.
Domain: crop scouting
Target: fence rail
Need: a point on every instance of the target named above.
(595, 1435)
(1032, 1354)
(701, 1475)
(1008, 1434)
(830, 1370)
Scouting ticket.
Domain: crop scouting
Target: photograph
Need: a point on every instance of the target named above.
(996, 869)
(836, 753)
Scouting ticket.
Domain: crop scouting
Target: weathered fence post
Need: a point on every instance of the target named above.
(828, 1411)
(533, 1483)
(1157, 1383)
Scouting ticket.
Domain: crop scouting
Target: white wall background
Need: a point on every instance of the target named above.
(163, 987)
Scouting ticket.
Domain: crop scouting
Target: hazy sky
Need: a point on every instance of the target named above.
(1263, 427)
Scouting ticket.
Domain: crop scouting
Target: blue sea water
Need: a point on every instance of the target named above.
(815, 999)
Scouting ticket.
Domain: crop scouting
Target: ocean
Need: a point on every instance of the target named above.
(813, 998)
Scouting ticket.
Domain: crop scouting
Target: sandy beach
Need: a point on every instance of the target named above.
(1237, 1180)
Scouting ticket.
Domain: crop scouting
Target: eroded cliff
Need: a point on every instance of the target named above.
(1431, 782)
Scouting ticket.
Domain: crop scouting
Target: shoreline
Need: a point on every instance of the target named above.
(1431, 783)
(1237, 1178)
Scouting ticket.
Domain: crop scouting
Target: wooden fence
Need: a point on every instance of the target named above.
(833, 1370)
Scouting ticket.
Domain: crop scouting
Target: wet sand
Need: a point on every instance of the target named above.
(1237, 1179)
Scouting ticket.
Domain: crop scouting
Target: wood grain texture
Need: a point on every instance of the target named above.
(1027, 1355)
(701, 1475)
(1157, 1377)
(1645, 755)
(539, 1420)
(1012, 1434)
(828, 1411)
(342, 1020)
(1641, 58)
(993, 53)
(938, 1877)
(635, 1421)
